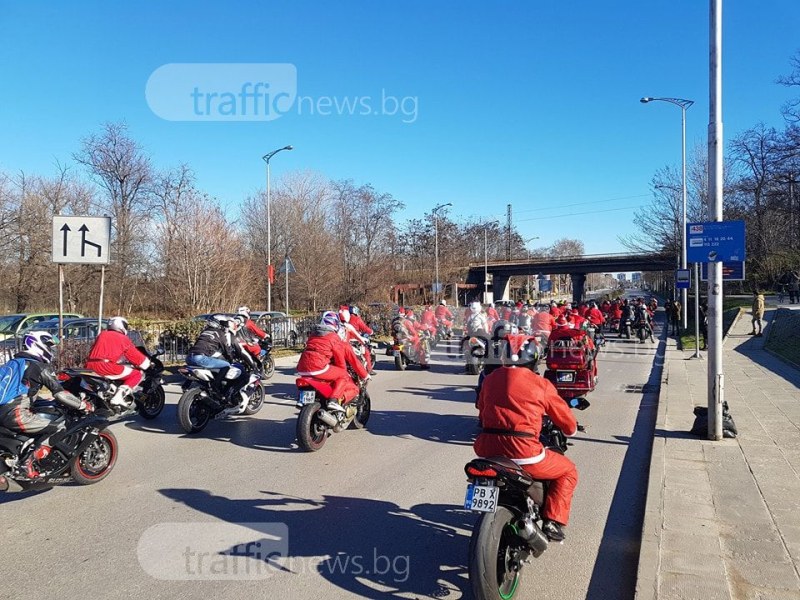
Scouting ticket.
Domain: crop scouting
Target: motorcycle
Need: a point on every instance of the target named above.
(508, 531)
(74, 447)
(443, 331)
(597, 336)
(643, 330)
(147, 399)
(265, 362)
(474, 348)
(201, 402)
(321, 415)
(625, 328)
(405, 353)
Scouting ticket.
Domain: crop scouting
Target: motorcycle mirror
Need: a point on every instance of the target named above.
(579, 403)
(160, 350)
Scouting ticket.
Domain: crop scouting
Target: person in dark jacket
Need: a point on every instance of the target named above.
(215, 349)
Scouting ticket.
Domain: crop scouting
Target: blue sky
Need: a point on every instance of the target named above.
(535, 104)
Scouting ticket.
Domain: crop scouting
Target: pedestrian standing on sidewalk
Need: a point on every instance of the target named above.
(758, 312)
(794, 287)
(704, 323)
(675, 316)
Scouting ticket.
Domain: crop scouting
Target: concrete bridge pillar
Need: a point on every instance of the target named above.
(500, 287)
(578, 283)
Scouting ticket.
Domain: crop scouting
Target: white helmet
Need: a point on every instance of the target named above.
(475, 308)
(40, 344)
(443, 302)
(244, 311)
(118, 324)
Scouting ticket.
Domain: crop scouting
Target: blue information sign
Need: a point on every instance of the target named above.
(545, 285)
(715, 241)
(731, 271)
(683, 279)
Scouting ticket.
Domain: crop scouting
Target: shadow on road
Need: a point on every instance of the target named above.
(448, 429)
(369, 548)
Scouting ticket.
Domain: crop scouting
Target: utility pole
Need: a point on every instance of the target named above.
(716, 381)
(508, 233)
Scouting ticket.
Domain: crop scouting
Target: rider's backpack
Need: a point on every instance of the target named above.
(11, 384)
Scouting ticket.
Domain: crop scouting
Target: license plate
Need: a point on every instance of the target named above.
(306, 397)
(567, 377)
(481, 498)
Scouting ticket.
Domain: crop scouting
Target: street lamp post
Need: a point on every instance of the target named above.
(266, 159)
(436, 229)
(486, 260)
(683, 104)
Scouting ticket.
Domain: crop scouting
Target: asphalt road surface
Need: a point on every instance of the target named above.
(376, 513)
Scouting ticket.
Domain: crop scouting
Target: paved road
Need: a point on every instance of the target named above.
(374, 514)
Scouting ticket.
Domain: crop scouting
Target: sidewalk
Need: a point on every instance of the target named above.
(723, 518)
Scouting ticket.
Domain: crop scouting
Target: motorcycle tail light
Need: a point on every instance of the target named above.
(475, 472)
(62, 377)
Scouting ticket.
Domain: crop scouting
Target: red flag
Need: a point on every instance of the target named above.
(271, 273)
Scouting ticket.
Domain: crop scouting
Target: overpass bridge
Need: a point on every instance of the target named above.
(496, 274)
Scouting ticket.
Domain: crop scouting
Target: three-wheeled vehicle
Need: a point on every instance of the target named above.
(572, 365)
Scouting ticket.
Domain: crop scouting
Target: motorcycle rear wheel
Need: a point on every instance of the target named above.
(150, 405)
(193, 415)
(311, 432)
(96, 461)
(490, 557)
(269, 367)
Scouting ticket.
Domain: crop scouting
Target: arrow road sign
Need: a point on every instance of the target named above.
(90, 247)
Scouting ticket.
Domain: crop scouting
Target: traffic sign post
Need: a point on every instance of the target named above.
(81, 240)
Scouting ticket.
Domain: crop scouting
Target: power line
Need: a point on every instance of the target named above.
(591, 212)
(560, 206)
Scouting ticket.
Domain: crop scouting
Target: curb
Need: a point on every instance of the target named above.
(772, 352)
(650, 547)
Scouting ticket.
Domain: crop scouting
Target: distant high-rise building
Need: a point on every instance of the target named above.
(621, 277)
(636, 277)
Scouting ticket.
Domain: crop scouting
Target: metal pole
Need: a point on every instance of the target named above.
(60, 302)
(269, 246)
(684, 292)
(102, 290)
(696, 310)
(436, 283)
(715, 139)
(286, 267)
(485, 265)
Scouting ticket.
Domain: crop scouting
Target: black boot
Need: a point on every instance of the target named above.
(553, 531)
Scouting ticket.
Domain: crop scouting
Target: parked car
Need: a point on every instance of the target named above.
(11, 325)
(84, 328)
(278, 324)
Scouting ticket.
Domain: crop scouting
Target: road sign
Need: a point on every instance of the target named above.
(82, 240)
(715, 241)
(545, 285)
(287, 265)
(683, 279)
(731, 271)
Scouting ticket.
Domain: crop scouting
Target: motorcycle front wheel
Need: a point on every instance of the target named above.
(493, 557)
(399, 363)
(256, 400)
(311, 432)
(96, 461)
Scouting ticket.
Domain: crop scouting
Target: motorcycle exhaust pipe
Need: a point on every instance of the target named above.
(533, 536)
(327, 418)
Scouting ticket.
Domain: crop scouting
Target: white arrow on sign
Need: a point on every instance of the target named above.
(81, 240)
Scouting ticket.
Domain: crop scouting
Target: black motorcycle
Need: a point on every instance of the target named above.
(74, 447)
(201, 401)
(265, 362)
(508, 531)
(147, 400)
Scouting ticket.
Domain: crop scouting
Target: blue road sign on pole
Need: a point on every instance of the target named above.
(731, 271)
(683, 279)
(545, 285)
(715, 241)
